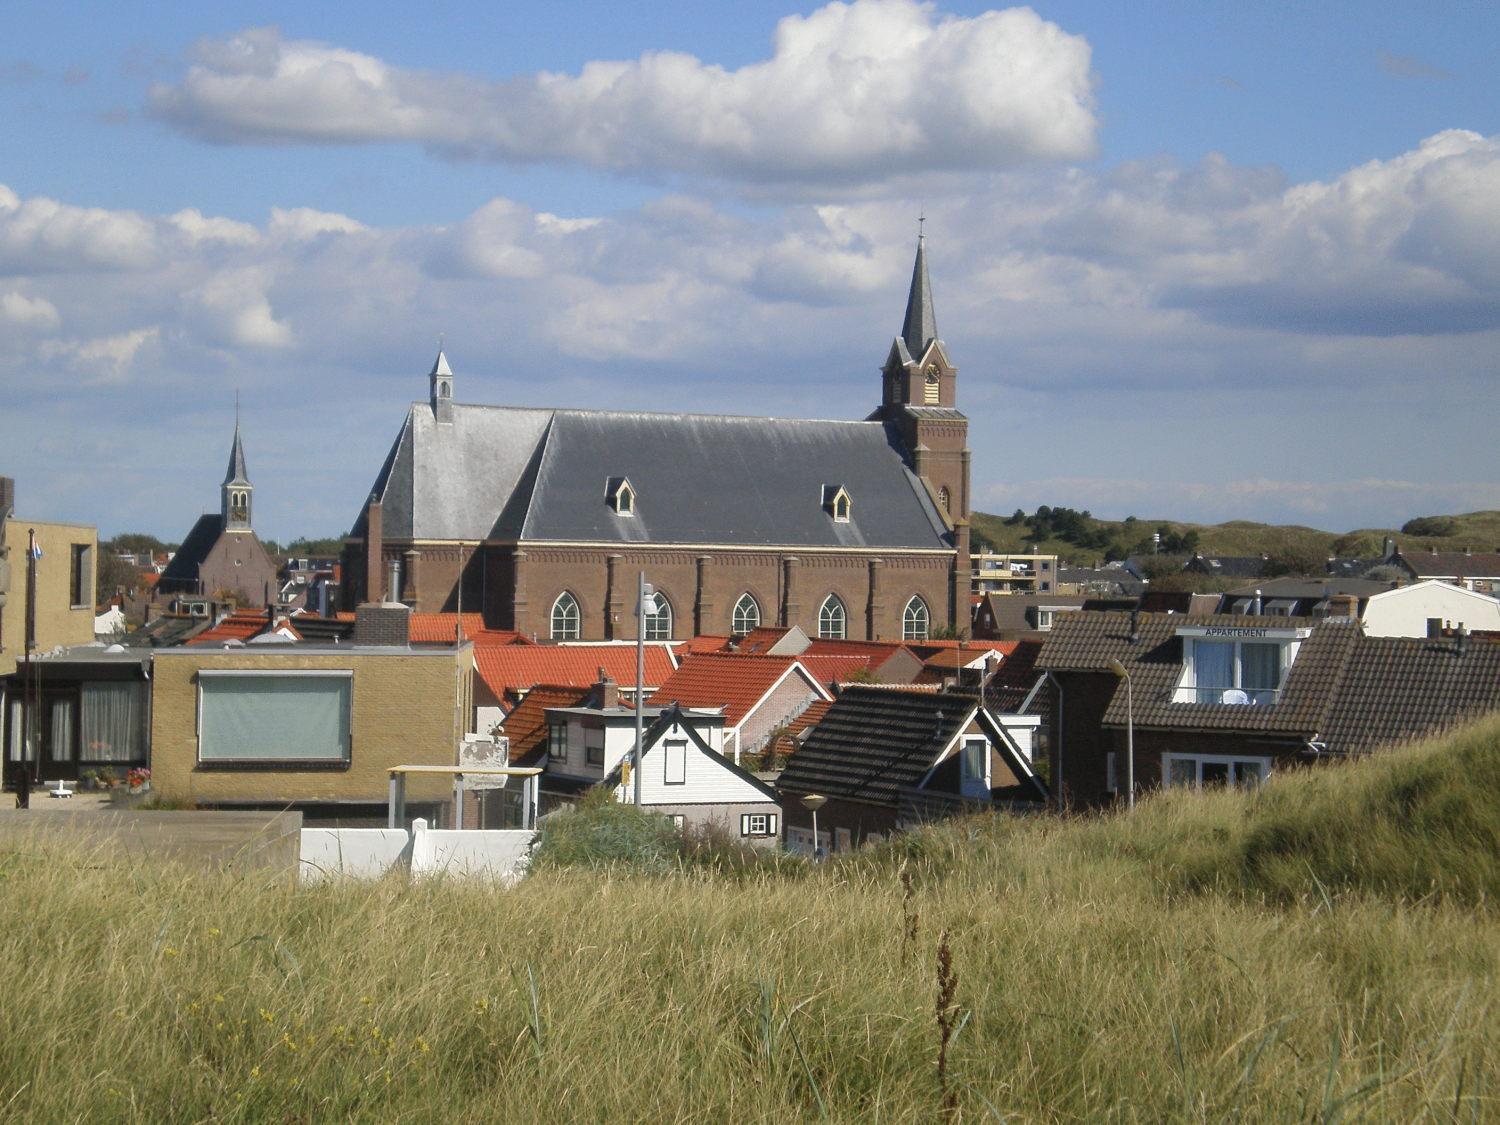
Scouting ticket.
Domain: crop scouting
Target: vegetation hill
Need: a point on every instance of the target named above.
(1324, 948)
(1084, 540)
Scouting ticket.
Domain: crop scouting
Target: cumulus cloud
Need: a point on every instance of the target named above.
(41, 235)
(108, 359)
(852, 93)
(28, 312)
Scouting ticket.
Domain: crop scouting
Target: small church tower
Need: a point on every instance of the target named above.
(236, 491)
(440, 388)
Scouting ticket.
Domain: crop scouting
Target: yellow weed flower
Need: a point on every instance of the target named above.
(422, 1045)
(170, 952)
(269, 1017)
(214, 931)
(255, 1072)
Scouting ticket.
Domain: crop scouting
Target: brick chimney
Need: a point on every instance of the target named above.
(1343, 605)
(382, 623)
(606, 692)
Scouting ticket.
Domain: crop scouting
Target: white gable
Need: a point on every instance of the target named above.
(707, 778)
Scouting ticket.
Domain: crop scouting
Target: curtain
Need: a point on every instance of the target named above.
(274, 718)
(61, 747)
(15, 730)
(1260, 667)
(111, 717)
(1213, 664)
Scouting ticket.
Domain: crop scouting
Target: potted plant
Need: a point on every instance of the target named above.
(138, 780)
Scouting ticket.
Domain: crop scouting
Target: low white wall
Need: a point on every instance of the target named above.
(355, 853)
(368, 853)
(498, 854)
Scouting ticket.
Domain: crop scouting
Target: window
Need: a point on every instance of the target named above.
(841, 509)
(1235, 671)
(746, 616)
(619, 494)
(836, 502)
(944, 497)
(759, 824)
(557, 741)
(931, 389)
(976, 750)
(1044, 618)
(675, 753)
(112, 722)
(1198, 771)
(593, 745)
(565, 617)
(291, 717)
(625, 505)
(915, 620)
(833, 622)
(81, 577)
(659, 620)
(679, 821)
(843, 840)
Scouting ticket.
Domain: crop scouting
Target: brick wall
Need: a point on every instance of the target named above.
(57, 621)
(407, 709)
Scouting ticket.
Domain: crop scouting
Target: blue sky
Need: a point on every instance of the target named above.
(1194, 260)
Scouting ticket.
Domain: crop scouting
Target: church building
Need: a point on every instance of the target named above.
(542, 519)
(222, 556)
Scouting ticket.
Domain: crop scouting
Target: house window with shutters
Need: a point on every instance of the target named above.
(759, 824)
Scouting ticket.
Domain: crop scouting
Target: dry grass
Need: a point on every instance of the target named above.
(1170, 966)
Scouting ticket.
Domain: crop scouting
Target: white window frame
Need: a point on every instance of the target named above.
(674, 753)
(743, 615)
(759, 825)
(1233, 761)
(830, 614)
(916, 626)
(208, 674)
(571, 617)
(659, 625)
(1188, 690)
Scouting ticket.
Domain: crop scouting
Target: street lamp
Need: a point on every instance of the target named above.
(812, 803)
(645, 605)
(1119, 670)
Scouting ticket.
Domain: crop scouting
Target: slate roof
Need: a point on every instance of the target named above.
(920, 328)
(539, 475)
(1452, 564)
(325, 629)
(737, 682)
(181, 574)
(526, 725)
(874, 742)
(509, 669)
(166, 631)
(1311, 587)
(1012, 682)
(1228, 566)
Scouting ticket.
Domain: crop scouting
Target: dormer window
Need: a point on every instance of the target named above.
(620, 496)
(836, 502)
(1233, 665)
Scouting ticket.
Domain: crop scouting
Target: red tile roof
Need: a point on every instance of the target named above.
(732, 680)
(952, 659)
(759, 640)
(704, 642)
(514, 668)
(526, 725)
(878, 651)
(235, 627)
(836, 668)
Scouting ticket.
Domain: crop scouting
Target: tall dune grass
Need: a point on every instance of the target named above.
(1173, 965)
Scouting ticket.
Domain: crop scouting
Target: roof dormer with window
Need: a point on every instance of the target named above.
(1232, 664)
(620, 495)
(836, 502)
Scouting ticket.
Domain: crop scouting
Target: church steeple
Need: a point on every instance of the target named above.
(236, 490)
(440, 388)
(920, 328)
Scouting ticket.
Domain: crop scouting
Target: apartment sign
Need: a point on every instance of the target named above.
(1233, 631)
(1244, 632)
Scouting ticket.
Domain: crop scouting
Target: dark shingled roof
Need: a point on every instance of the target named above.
(876, 741)
(1452, 564)
(512, 473)
(1228, 566)
(181, 574)
(1395, 689)
(1352, 692)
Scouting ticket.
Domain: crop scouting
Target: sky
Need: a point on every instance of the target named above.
(1193, 261)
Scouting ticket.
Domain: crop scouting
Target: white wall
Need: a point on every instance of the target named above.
(1403, 612)
(709, 780)
(354, 853)
(500, 854)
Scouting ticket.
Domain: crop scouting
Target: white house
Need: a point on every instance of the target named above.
(684, 774)
(1411, 611)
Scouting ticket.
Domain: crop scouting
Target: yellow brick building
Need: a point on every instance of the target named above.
(315, 728)
(65, 582)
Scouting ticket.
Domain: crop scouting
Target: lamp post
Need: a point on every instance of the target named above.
(812, 802)
(1119, 670)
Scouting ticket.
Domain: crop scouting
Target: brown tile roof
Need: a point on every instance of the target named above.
(235, 627)
(704, 642)
(732, 680)
(526, 725)
(511, 669)
(442, 628)
(835, 668)
(1012, 682)
(1453, 564)
(761, 639)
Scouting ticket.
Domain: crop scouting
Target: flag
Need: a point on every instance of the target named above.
(36, 548)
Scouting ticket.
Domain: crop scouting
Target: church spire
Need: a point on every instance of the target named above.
(440, 387)
(236, 490)
(920, 328)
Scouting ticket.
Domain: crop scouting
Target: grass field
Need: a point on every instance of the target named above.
(1479, 531)
(1325, 949)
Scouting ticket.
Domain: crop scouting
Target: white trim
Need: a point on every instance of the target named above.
(1264, 761)
(348, 673)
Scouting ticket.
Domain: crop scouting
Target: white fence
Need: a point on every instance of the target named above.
(368, 853)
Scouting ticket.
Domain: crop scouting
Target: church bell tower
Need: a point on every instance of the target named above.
(236, 492)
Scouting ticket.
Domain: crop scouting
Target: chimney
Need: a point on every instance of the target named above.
(1343, 605)
(1387, 547)
(1461, 640)
(382, 623)
(606, 692)
(392, 583)
(1135, 626)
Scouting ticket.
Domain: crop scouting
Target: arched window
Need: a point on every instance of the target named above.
(565, 617)
(746, 616)
(944, 496)
(659, 623)
(833, 622)
(916, 621)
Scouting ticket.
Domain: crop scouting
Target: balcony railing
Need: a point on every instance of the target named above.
(1230, 697)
